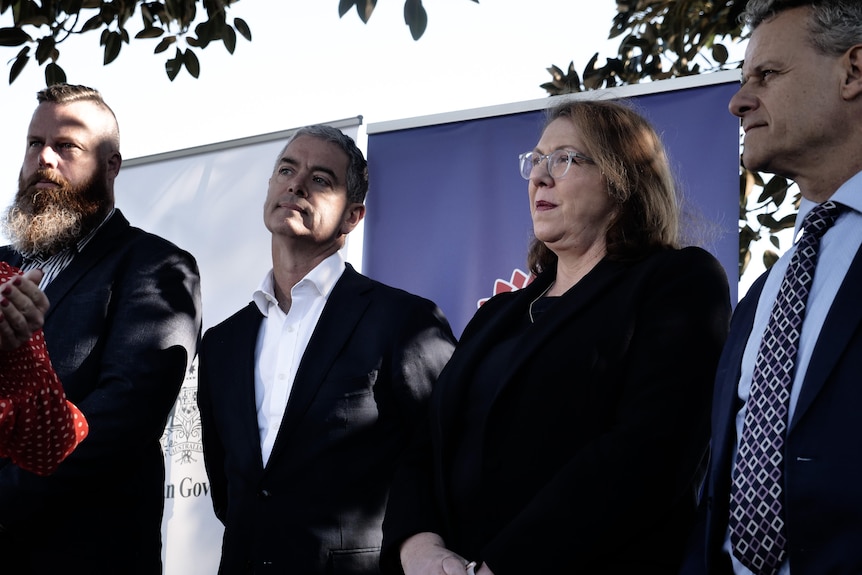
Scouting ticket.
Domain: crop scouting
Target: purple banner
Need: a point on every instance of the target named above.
(448, 214)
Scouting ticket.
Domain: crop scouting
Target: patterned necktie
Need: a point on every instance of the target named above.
(757, 530)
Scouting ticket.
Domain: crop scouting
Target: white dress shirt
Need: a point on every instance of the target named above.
(282, 339)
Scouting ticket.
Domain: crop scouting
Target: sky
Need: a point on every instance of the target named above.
(306, 65)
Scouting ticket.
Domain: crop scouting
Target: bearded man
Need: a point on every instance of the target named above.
(122, 326)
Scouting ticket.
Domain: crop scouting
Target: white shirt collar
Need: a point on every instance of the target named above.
(849, 194)
(322, 278)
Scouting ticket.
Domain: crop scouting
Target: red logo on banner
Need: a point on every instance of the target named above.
(519, 280)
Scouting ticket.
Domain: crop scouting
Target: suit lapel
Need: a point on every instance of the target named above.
(243, 341)
(105, 240)
(725, 400)
(843, 319)
(463, 363)
(343, 310)
(581, 295)
(475, 342)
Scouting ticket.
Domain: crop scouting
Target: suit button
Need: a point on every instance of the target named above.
(265, 494)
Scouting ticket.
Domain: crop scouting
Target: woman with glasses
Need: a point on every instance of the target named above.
(568, 431)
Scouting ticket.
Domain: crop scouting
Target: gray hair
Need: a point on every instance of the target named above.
(357, 167)
(834, 26)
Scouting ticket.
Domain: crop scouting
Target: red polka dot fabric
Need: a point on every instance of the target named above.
(38, 426)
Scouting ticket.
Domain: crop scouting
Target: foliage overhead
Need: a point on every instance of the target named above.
(47, 25)
(40, 28)
(661, 39)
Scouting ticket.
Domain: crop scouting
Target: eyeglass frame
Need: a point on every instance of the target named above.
(572, 157)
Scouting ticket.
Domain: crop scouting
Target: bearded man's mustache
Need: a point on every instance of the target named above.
(43, 221)
(32, 200)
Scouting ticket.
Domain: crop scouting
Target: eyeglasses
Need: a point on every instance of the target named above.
(558, 164)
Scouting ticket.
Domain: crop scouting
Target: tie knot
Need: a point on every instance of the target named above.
(821, 218)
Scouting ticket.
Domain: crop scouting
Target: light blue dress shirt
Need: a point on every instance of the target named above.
(838, 247)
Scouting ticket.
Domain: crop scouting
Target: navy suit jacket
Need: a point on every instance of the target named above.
(317, 506)
(124, 322)
(592, 444)
(823, 448)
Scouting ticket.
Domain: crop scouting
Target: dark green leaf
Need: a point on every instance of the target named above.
(44, 49)
(415, 17)
(34, 20)
(54, 74)
(747, 235)
(555, 72)
(784, 223)
(165, 44)
(775, 241)
(242, 28)
(769, 258)
(147, 15)
(93, 23)
(344, 6)
(365, 8)
(204, 32)
(112, 47)
(72, 6)
(719, 53)
(151, 32)
(20, 61)
(228, 36)
(767, 220)
(192, 63)
(173, 65)
(13, 37)
(774, 190)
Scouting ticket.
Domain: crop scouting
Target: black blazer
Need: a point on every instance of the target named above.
(364, 379)
(123, 324)
(592, 445)
(823, 471)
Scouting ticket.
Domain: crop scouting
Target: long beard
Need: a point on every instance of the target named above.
(46, 221)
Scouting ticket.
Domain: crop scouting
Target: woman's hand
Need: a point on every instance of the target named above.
(426, 554)
(22, 309)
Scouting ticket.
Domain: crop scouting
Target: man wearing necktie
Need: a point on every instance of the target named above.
(784, 488)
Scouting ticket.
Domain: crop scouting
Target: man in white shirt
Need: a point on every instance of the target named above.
(310, 393)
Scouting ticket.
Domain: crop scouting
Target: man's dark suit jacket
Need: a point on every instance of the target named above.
(823, 448)
(124, 322)
(593, 441)
(317, 507)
